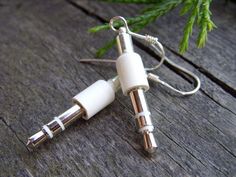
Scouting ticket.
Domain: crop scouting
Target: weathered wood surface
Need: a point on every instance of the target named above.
(40, 45)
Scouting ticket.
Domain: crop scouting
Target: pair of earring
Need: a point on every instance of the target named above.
(132, 78)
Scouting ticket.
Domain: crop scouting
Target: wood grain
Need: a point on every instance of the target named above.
(40, 45)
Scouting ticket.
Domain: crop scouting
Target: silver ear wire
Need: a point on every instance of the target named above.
(158, 48)
(160, 52)
(97, 60)
(155, 78)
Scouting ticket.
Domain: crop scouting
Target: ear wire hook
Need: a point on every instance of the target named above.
(153, 41)
(155, 78)
(97, 60)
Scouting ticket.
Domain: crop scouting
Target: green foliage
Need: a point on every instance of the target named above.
(197, 10)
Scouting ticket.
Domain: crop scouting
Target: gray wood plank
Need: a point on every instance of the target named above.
(40, 73)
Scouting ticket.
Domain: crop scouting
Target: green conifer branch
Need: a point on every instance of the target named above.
(198, 11)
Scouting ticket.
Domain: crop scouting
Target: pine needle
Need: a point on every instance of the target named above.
(205, 23)
(189, 26)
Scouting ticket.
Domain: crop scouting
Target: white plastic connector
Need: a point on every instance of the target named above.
(96, 97)
(131, 72)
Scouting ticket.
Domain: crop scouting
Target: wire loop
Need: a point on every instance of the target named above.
(116, 18)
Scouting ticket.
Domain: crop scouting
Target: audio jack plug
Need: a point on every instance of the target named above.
(86, 104)
(134, 83)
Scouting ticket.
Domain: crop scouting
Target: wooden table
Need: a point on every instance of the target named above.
(40, 44)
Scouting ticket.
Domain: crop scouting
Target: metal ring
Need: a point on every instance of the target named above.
(118, 18)
(48, 131)
(60, 123)
(144, 113)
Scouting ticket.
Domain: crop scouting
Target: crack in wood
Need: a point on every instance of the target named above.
(225, 147)
(217, 102)
(177, 162)
(214, 79)
(14, 132)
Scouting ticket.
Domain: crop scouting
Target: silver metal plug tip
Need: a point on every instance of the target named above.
(149, 142)
(36, 140)
(30, 145)
(57, 125)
